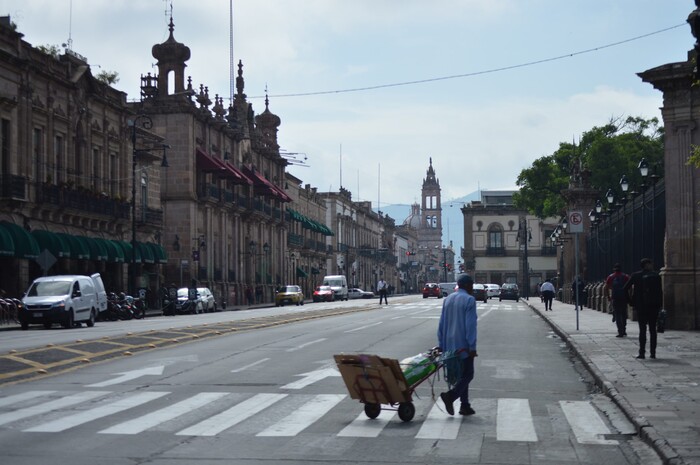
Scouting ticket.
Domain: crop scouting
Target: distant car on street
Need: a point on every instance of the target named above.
(432, 290)
(492, 290)
(289, 294)
(480, 292)
(323, 294)
(509, 291)
(357, 293)
(447, 288)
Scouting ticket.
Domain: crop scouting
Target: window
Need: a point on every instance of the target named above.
(495, 240)
(38, 151)
(113, 178)
(144, 195)
(59, 158)
(5, 146)
(96, 178)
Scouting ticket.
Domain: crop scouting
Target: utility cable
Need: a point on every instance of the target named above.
(475, 73)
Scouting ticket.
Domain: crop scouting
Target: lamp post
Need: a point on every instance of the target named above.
(144, 122)
(524, 236)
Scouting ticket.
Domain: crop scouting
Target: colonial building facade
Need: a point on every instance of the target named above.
(503, 244)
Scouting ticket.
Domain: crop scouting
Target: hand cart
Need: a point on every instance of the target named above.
(375, 380)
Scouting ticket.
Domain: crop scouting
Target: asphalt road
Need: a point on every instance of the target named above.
(273, 395)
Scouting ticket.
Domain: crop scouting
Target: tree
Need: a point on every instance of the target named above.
(608, 152)
(53, 50)
(108, 77)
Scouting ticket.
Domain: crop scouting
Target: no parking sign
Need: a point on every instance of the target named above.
(576, 222)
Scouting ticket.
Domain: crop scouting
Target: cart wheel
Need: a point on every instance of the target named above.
(406, 411)
(372, 410)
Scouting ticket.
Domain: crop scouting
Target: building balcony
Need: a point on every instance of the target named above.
(83, 200)
(495, 251)
(13, 187)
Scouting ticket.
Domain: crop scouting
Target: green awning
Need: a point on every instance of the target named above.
(145, 252)
(128, 250)
(78, 250)
(301, 273)
(158, 252)
(115, 254)
(7, 245)
(52, 242)
(98, 251)
(25, 244)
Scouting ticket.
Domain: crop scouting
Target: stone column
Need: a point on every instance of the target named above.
(681, 113)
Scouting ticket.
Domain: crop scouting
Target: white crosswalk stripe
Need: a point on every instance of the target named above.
(236, 414)
(213, 413)
(304, 416)
(140, 424)
(101, 411)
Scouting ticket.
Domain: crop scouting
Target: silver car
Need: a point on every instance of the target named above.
(207, 298)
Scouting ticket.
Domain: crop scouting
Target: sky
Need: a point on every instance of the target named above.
(441, 79)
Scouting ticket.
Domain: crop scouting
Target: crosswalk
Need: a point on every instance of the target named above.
(209, 414)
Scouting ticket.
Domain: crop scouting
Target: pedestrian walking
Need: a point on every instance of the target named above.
(577, 292)
(644, 293)
(547, 290)
(617, 298)
(457, 335)
(382, 288)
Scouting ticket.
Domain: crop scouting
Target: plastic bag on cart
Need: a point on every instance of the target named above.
(417, 368)
(452, 366)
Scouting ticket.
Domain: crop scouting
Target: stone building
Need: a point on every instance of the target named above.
(66, 172)
(503, 244)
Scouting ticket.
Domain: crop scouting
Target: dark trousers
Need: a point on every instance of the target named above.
(620, 313)
(382, 294)
(547, 296)
(647, 318)
(461, 389)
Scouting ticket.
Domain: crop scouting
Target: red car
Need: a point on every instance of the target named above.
(323, 294)
(432, 290)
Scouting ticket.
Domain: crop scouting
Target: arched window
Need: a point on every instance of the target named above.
(495, 240)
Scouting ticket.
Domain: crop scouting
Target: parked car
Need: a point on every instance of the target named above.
(289, 294)
(66, 299)
(188, 302)
(480, 292)
(208, 300)
(432, 290)
(492, 290)
(323, 294)
(357, 293)
(447, 288)
(509, 291)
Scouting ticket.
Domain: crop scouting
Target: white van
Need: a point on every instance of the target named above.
(101, 293)
(339, 284)
(66, 299)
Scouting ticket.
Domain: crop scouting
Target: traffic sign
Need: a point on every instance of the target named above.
(575, 222)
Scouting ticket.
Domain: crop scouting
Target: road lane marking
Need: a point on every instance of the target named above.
(514, 421)
(14, 399)
(131, 375)
(439, 424)
(293, 349)
(585, 422)
(86, 416)
(49, 406)
(304, 416)
(311, 377)
(140, 424)
(238, 370)
(231, 417)
(365, 427)
(363, 327)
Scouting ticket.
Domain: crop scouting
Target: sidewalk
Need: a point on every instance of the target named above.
(660, 397)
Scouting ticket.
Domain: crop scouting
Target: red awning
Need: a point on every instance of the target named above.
(282, 194)
(210, 164)
(262, 185)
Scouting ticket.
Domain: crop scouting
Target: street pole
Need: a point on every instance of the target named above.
(146, 122)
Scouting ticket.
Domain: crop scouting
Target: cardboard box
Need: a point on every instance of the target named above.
(372, 379)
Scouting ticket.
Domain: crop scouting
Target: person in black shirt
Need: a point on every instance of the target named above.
(645, 294)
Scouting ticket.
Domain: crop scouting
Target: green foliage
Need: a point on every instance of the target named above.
(694, 158)
(608, 152)
(53, 50)
(108, 77)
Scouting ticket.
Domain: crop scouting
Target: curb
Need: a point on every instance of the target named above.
(645, 430)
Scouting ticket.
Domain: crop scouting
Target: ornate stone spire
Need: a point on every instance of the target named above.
(171, 56)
